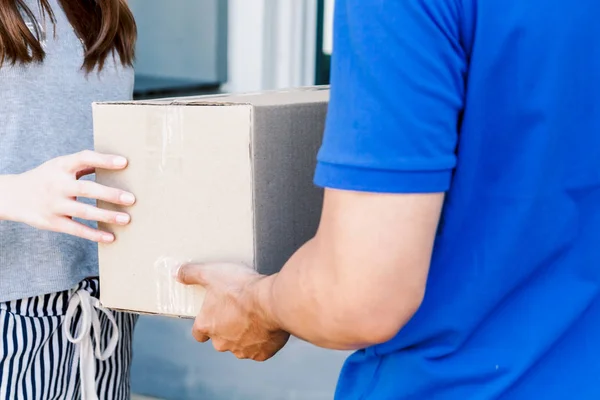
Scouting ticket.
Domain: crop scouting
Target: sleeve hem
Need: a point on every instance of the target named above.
(342, 177)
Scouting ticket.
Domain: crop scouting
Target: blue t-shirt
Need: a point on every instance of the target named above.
(497, 103)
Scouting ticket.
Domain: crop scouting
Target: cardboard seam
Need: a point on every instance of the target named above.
(172, 103)
(123, 310)
(253, 182)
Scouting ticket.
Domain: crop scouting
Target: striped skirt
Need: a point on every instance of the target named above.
(38, 361)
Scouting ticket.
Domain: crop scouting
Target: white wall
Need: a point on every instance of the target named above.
(272, 44)
(245, 45)
(328, 27)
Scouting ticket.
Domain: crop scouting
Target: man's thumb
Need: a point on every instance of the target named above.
(191, 274)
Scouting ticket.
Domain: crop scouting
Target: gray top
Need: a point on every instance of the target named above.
(46, 112)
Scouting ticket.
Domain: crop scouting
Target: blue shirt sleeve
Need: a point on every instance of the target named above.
(397, 88)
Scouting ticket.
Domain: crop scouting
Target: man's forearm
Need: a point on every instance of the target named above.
(304, 300)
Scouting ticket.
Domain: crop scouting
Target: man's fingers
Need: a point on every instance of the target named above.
(200, 334)
(240, 355)
(220, 345)
(85, 160)
(201, 338)
(70, 227)
(207, 274)
(193, 274)
(93, 190)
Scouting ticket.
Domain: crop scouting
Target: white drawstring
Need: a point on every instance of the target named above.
(89, 321)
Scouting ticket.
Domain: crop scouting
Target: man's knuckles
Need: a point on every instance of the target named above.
(221, 345)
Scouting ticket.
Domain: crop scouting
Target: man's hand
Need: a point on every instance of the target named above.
(230, 315)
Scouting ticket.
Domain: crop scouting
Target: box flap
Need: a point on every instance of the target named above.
(309, 94)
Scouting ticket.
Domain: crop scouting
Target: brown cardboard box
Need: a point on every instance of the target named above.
(216, 179)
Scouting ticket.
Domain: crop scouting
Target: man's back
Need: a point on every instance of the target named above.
(502, 99)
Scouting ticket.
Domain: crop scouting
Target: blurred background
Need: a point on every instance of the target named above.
(207, 46)
(194, 47)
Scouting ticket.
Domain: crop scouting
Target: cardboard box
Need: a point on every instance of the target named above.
(225, 178)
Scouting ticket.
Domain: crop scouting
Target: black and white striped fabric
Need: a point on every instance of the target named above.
(38, 362)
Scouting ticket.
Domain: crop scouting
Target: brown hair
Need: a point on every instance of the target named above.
(103, 26)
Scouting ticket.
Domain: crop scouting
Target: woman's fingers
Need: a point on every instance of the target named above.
(78, 165)
(91, 213)
(93, 190)
(86, 160)
(70, 227)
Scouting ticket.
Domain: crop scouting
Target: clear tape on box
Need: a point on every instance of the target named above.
(173, 297)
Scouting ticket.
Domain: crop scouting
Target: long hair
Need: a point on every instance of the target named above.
(104, 27)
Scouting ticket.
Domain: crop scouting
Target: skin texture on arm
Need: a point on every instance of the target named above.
(363, 276)
(355, 284)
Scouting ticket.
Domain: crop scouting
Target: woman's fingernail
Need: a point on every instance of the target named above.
(123, 219)
(108, 238)
(128, 198)
(120, 161)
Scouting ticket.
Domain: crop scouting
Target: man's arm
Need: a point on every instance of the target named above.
(363, 275)
(397, 88)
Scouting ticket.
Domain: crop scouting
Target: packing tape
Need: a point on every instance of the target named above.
(165, 141)
(174, 298)
(172, 139)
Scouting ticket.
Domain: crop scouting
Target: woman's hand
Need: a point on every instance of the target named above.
(45, 197)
